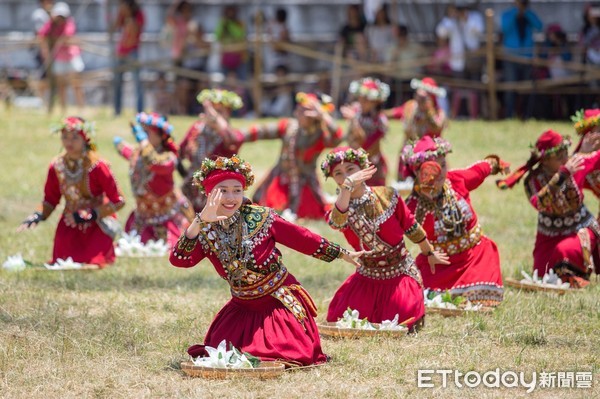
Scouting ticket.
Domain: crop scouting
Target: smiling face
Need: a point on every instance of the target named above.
(232, 197)
(343, 170)
(73, 143)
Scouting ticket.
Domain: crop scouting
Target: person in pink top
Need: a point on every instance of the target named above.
(61, 53)
(130, 20)
(186, 52)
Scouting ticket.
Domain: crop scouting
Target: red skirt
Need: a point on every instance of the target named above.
(552, 251)
(91, 245)
(264, 328)
(172, 227)
(474, 274)
(276, 196)
(379, 300)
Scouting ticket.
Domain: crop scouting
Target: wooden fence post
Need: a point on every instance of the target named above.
(258, 64)
(491, 64)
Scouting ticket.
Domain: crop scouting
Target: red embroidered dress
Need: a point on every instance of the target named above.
(91, 186)
(366, 132)
(387, 282)
(293, 183)
(270, 315)
(567, 233)
(161, 212)
(452, 226)
(201, 142)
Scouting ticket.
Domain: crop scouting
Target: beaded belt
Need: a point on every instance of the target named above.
(554, 225)
(265, 286)
(460, 244)
(385, 267)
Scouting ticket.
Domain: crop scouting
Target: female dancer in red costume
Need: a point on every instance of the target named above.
(293, 184)
(270, 315)
(567, 233)
(441, 203)
(375, 219)
(161, 210)
(368, 124)
(422, 116)
(88, 225)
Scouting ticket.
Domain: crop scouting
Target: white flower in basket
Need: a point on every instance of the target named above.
(350, 319)
(63, 264)
(289, 215)
(14, 263)
(157, 248)
(131, 245)
(549, 279)
(220, 357)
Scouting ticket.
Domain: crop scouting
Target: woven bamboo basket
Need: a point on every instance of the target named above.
(329, 329)
(511, 282)
(265, 370)
(456, 312)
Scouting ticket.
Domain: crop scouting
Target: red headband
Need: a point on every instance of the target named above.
(220, 175)
(547, 144)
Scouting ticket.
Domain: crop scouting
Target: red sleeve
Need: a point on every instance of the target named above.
(404, 215)
(397, 112)
(126, 151)
(186, 252)
(474, 175)
(52, 192)
(106, 183)
(184, 143)
(45, 29)
(303, 240)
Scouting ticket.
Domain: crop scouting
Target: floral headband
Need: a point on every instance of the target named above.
(442, 147)
(233, 164)
(565, 144)
(155, 120)
(325, 102)
(360, 156)
(584, 124)
(218, 96)
(370, 88)
(77, 125)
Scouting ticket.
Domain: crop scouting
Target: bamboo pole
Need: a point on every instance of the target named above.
(491, 64)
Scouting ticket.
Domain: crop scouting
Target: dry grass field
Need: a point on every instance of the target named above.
(122, 332)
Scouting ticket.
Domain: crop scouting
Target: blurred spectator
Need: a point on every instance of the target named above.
(380, 35)
(463, 28)
(163, 97)
(278, 101)
(406, 54)
(130, 21)
(518, 24)
(352, 34)
(230, 31)
(60, 51)
(40, 17)
(275, 56)
(186, 41)
(557, 51)
(591, 35)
